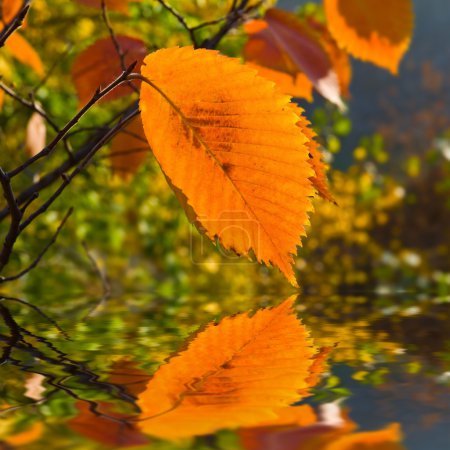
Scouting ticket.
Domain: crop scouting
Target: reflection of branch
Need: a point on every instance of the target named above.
(17, 341)
(41, 254)
(15, 23)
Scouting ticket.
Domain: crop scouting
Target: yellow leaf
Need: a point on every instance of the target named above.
(371, 31)
(235, 373)
(228, 140)
(36, 134)
(129, 149)
(24, 52)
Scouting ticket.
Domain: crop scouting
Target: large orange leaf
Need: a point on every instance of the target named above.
(235, 373)
(285, 43)
(370, 30)
(228, 140)
(99, 64)
(129, 149)
(114, 5)
(24, 52)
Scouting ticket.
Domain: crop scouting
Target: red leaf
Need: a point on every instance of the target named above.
(100, 64)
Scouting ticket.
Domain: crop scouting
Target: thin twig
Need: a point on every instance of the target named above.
(181, 20)
(116, 43)
(32, 105)
(41, 254)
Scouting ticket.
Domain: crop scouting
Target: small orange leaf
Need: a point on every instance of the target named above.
(285, 43)
(36, 134)
(372, 32)
(24, 52)
(129, 149)
(30, 435)
(100, 63)
(111, 428)
(10, 8)
(228, 140)
(2, 98)
(235, 373)
(388, 438)
(112, 5)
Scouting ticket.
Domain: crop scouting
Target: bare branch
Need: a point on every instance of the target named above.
(99, 94)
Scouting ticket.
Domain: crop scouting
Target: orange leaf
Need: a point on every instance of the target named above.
(24, 52)
(129, 149)
(112, 5)
(30, 435)
(10, 8)
(387, 439)
(285, 43)
(319, 180)
(372, 32)
(106, 430)
(228, 140)
(296, 85)
(36, 134)
(100, 63)
(234, 373)
(2, 98)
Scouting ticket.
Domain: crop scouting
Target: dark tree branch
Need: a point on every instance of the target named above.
(16, 217)
(15, 23)
(41, 254)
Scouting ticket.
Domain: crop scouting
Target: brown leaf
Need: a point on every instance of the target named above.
(115, 431)
(379, 33)
(112, 5)
(100, 64)
(129, 149)
(36, 134)
(228, 140)
(285, 43)
(235, 373)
